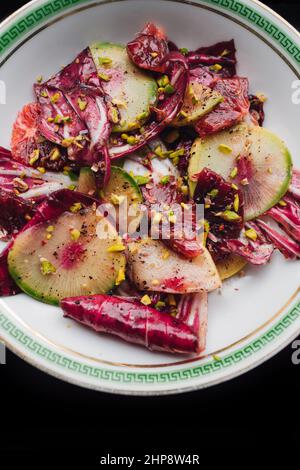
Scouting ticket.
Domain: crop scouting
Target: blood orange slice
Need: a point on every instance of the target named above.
(25, 133)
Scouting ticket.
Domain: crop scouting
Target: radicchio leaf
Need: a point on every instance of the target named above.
(257, 109)
(7, 285)
(132, 322)
(26, 181)
(257, 252)
(192, 310)
(285, 244)
(223, 204)
(14, 214)
(288, 216)
(220, 54)
(294, 188)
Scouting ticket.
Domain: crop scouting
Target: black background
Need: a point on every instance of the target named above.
(55, 420)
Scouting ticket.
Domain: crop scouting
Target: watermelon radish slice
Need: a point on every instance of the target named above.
(254, 159)
(70, 256)
(131, 90)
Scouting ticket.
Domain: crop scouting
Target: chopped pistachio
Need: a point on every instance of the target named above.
(143, 116)
(119, 103)
(20, 184)
(120, 276)
(154, 54)
(282, 203)
(155, 282)
(132, 140)
(35, 155)
(184, 205)
(184, 189)
(118, 247)
(236, 202)
(104, 61)
(39, 79)
(141, 180)
(68, 142)
(163, 81)
(251, 234)
(114, 115)
(234, 186)
(44, 94)
(213, 193)
(49, 236)
(104, 77)
(225, 52)
(145, 300)
(177, 153)
(184, 51)
(55, 155)
(182, 115)
(225, 148)
(216, 67)
(229, 216)
(234, 172)
(261, 97)
(165, 179)
(41, 169)
(47, 267)
(76, 207)
(82, 104)
(50, 229)
(165, 255)
(117, 200)
(55, 98)
(75, 234)
(169, 89)
(159, 304)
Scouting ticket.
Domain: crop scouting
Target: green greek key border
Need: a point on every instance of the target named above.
(52, 8)
(130, 377)
(18, 30)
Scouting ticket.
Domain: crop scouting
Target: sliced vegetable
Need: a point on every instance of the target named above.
(259, 164)
(230, 265)
(294, 188)
(131, 90)
(285, 244)
(150, 260)
(230, 111)
(82, 262)
(199, 100)
(287, 214)
(87, 181)
(122, 189)
(133, 322)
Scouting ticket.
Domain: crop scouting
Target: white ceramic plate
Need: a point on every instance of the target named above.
(254, 316)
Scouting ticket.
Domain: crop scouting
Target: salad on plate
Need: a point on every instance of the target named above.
(139, 179)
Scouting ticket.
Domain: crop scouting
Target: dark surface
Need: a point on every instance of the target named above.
(258, 410)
